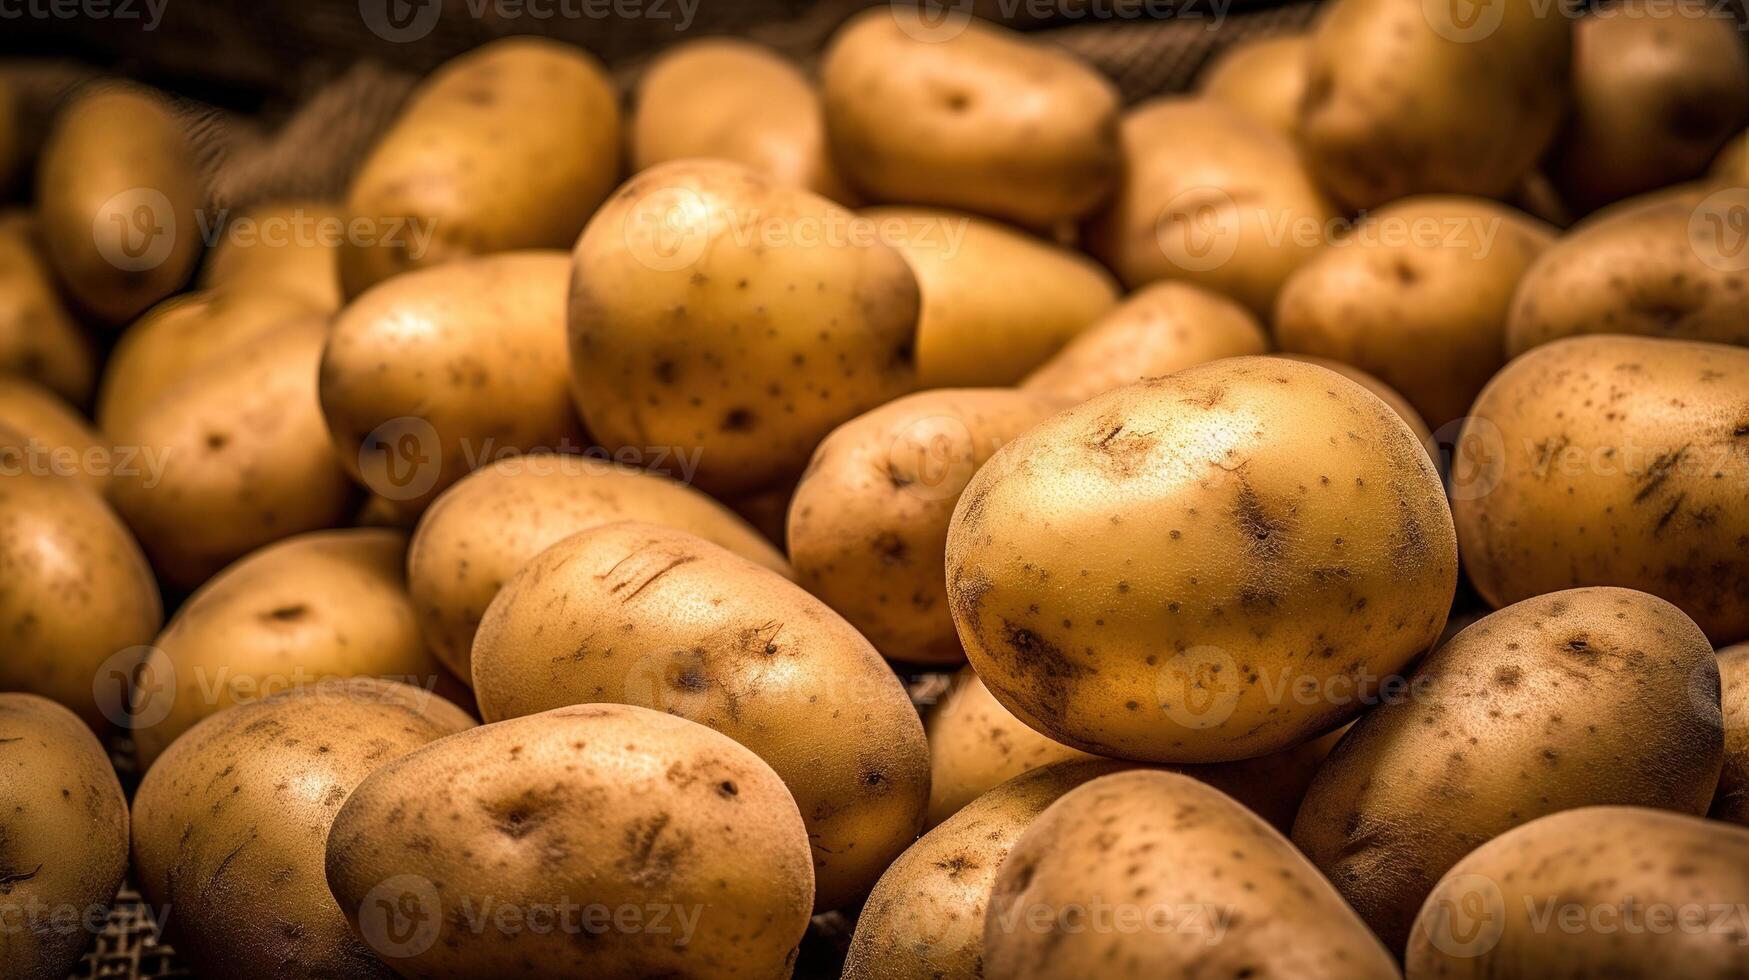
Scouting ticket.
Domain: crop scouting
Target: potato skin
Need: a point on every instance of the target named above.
(646, 615)
(509, 146)
(1265, 79)
(1208, 566)
(1731, 801)
(35, 421)
(480, 531)
(1487, 918)
(1613, 461)
(983, 120)
(231, 825)
(1141, 841)
(1534, 709)
(597, 804)
(288, 246)
(66, 835)
(39, 339)
(1731, 167)
(1387, 394)
(868, 523)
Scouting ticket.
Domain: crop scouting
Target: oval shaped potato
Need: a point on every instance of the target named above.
(712, 307)
(39, 339)
(1731, 801)
(868, 522)
(231, 825)
(1202, 567)
(1265, 79)
(44, 435)
(509, 146)
(480, 531)
(1159, 329)
(1203, 885)
(1606, 890)
(645, 615)
(292, 246)
(1570, 699)
(1612, 461)
(66, 836)
(731, 100)
(1212, 197)
(1387, 394)
(444, 370)
(588, 813)
(966, 114)
(116, 194)
(1405, 97)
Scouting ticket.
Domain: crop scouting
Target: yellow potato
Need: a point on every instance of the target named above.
(39, 339)
(1264, 79)
(1387, 394)
(292, 246)
(1731, 802)
(44, 435)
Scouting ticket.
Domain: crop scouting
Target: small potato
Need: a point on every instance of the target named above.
(868, 522)
(230, 827)
(479, 532)
(66, 836)
(116, 194)
(1212, 197)
(510, 146)
(39, 339)
(639, 614)
(44, 435)
(1159, 329)
(1731, 802)
(1265, 79)
(1566, 700)
(1605, 891)
(288, 245)
(965, 114)
(443, 370)
(1387, 394)
(605, 810)
(717, 310)
(996, 302)
(1612, 461)
(1207, 887)
(731, 100)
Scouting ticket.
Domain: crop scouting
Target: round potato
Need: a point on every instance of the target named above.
(44, 435)
(231, 825)
(292, 246)
(645, 615)
(577, 819)
(510, 146)
(1731, 801)
(479, 532)
(1209, 566)
(965, 114)
(868, 522)
(39, 339)
(1612, 461)
(1265, 79)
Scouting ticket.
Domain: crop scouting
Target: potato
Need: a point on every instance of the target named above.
(39, 339)
(292, 246)
(1159, 875)
(1157, 330)
(1404, 97)
(44, 435)
(1571, 699)
(235, 456)
(1731, 801)
(230, 827)
(479, 532)
(315, 606)
(116, 194)
(1209, 566)
(444, 370)
(1603, 891)
(868, 522)
(1654, 98)
(1417, 294)
(509, 146)
(713, 308)
(1265, 79)
(732, 100)
(1732, 164)
(1212, 197)
(574, 820)
(968, 115)
(996, 302)
(639, 614)
(66, 836)
(1612, 461)
(1387, 394)
(79, 598)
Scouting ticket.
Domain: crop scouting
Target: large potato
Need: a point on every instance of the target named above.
(1186, 883)
(1213, 565)
(1212, 197)
(868, 522)
(41, 434)
(510, 146)
(231, 825)
(714, 308)
(480, 531)
(39, 339)
(1731, 801)
(1612, 461)
(579, 820)
(293, 246)
(1265, 79)
(639, 614)
(1571, 699)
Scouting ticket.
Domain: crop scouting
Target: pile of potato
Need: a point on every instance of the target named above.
(551, 614)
